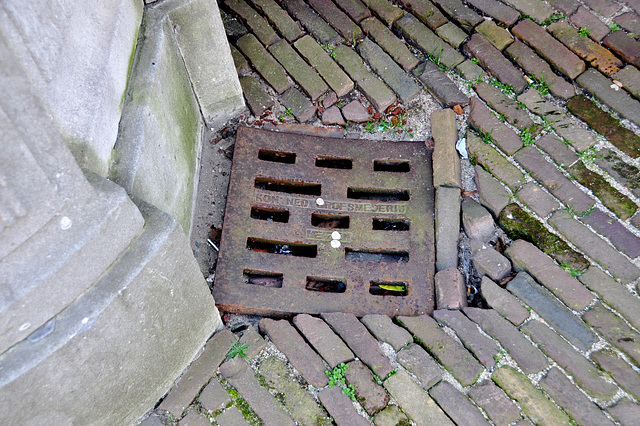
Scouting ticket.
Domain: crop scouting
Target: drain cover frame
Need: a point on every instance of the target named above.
(281, 183)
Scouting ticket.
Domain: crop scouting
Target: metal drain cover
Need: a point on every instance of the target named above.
(318, 224)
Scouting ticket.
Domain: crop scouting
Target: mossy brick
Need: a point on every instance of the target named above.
(386, 11)
(425, 40)
(499, 11)
(498, 36)
(455, 358)
(241, 63)
(538, 200)
(491, 160)
(447, 222)
(629, 76)
(582, 18)
(614, 330)
(440, 85)
(446, 163)
(527, 257)
(386, 331)
(623, 373)
(549, 48)
(280, 19)
(554, 180)
(606, 8)
(536, 10)
(390, 416)
(592, 52)
(571, 400)
(492, 194)
(312, 22)
(558, 150)
(630, 21)
(624, 173)
(254, 21)
(504, 105)
(369, 393)
(495, 63)
(457, 405)
(264, 63)
(425, 11)
(257, 98)
(466, 17)
(389, 43)
(323, 339)
(469, 71)
(337, 18)
(231, 416)
(452, 34)
(614, 97)
(340, 407)
(355, 9)
(502, 301)
(486, 123)
(498, 406)
(533, 402)
(585, 373)
(419, 363)
(627, 48)
(298, 69)
(595, 247)
(625, 411)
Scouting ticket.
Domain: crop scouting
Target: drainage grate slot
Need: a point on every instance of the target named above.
(388, 288)
(282, 247)
(334, 162)
(270, 215)
(374, 255)
(394, 166)
(382, 224)
(326, 285)
(288, 186)
(329, 221)
(263, 278)
(277, 156)
(378, 194)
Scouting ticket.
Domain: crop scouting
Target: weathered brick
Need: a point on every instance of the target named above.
(495, 163)
(614, 231)
(538, 11)
(500, 409)
(585, 19)
(231, 417)
(281, 19)
(301, 107)
(264, 63)
(469, 71)
(355, 9)
(496, 35)
(425, 11)
(258, 25)
(624, 46)
(625, 411)
(322, 62)
(386, 11)
(549, 48)
(417, 361)
(337, 18)
(526, 355)
(385, 330)
(214, 397)
(241, 63)
(390, 43)
(447, 222)
(457, 11)
(567, 7)
(193, 418)
(451, 290)
(497, 10)
(504, 105)
(557, 150)
(624, 173)
(483, 120)
(446, 163)
(254, 342)
(477, 222)
(444, 348)
(440, 85)
(492, 194)
(312, 22)
(456, 405)
(333, 115)
(494, 62)
(629, 76)
(257, 98)
(614, 330)
(323, 340)
(371, 395)
(340, 407)
(620, 370)
(629, 21)
(504, 302)
(298, 69)
(354, 111)
(527, 257)
(489, 261)
(390, 416)
(584, 373)
(537, 199)
(606, 8)
(452, 34)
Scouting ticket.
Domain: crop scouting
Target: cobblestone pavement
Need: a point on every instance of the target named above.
(538, 310)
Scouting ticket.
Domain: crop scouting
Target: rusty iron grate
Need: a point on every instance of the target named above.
(317, 224)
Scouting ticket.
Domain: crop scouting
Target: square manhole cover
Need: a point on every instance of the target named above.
(323, 225)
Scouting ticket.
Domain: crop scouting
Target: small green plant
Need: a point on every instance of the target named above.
(474, 61)
(486, 137)
(329, 49)
(337, 378)
(614, 27)
(584, 32)
(521, 105)
(540, 85)
(632, 35)
(500, 357)
(435, 57)
(340, 103)
(429, 14)
(354, 39)
(589, 155)
(504, 88)
(553, 18)
(238, 349)
(526, 136)
(478, 80)
(287, 113)
(574, 272)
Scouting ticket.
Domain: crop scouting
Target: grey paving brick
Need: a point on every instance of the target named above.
(469, 71)
(504, 105)
(451, 289)
(390, 43)
(489, 261)
(446, 162)
(582, 18)
(301, 107)
(254, 21)
(264, 63)
(254, 342)
(615, 232)
(483, 120)
(498, 36)
(494, 62)
(456, 405)
(385, 330)
(281, 19)
(369, 393)
(425, 11)
(193, 418)
(537, 199)
(629, 76)
(626, 412)
(558, 150)
(504, 302)
(311, 21)
(386, 11)
(257, 98)
(440, 85)
(447, 227)
(214, 397)
(538, 11)
(460, 13)
(340, 407)
(355, 9)
(337, 19)
(492, 194)
(417, 361)
(241, 63)
(497, 10)
(500, 409)
(614, 330)
(495, 163)
(323, 339)
(617, 100)
(620, 370)
(452, 34)
(298, 69)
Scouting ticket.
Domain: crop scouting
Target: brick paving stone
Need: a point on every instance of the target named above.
(629, 76)
(469, 71)
(614, 293)
(504, 105)
(626, 412)
(502, 301)
(198, 373)
(552, 311)
(441, 86)
(340, 407)
(636, 221)
(451, 290)
(626, 174)
(280, 19)
(214, 397)
(526, 355)
(480, 345)
(606, 8)
(593, 246)
(425, 11)
(485, 122)
(383, 65)
(489, 262)
(477, 222)
(500, 409)
(303, 407)
(390, 43)
(629, 21)
(241, 63)
(592, 52)
(424, 39)
(496, 35)
(385, 330)
(330, 100)
(297, 351)
(354, 111)
(495, 163)
(614, 330)
(537, 199)
(527, 257)
(567, 7)
(538, 11)
(585, 19)
(154, 420)
(257, 98)
(452, 34)
(258, 25)
(626, 376)
(492, 194)
(337, 19)
(585, 374)
(557, 150)
(446, 162)
(323, 339)
(414, 401)
(360, 341)
(620, 237)
(298, 69)
(333, 116)
(193, 418)
(444, 348)
(355, 9)
(301, 107)
(495, 63)
(390, 416)
(417, 361)
(254, 342)
(497, 10)
(627, 48)
(312, 22)
(618, 203)
(326, 67)
(549, 48)
(242, 378)
(447, 227)
(571, 400)
(457, 11)
(456, 404)
(369, 393)
(617, 100)
(231, 417)
(386, 11)
(264, 63)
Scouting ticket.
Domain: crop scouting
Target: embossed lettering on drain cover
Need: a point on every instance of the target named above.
(321, 225)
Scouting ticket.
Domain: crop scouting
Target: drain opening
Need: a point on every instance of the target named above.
(378, 194)
(381, 224)
(277, 156)
(374, 255)
(388, 288)
(394, 166)
(270, 215)
(333, 162)
(326, 285)
(263, 278)
(288, 186)
(329, 221)
(282, 247)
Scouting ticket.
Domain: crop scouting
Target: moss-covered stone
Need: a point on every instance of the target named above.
(519, 224)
